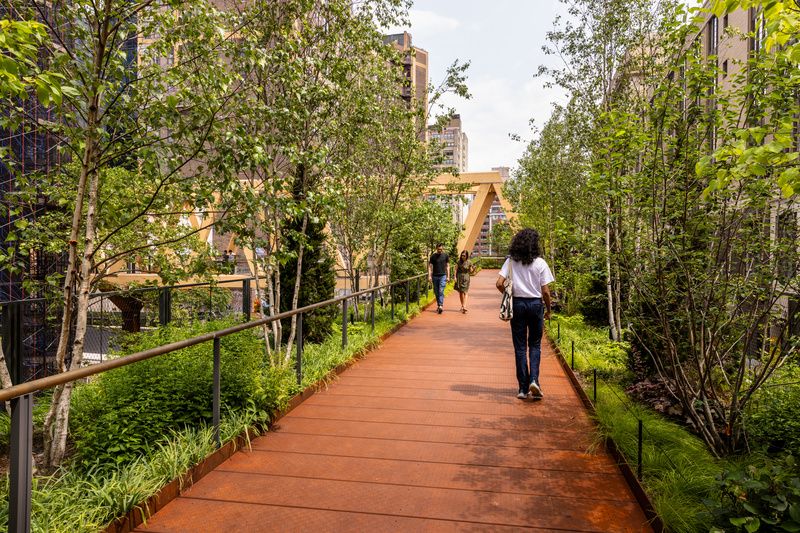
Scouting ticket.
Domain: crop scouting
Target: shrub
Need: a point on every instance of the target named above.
(317, 282)
(126, 411)
(763, 497)
(772, 421)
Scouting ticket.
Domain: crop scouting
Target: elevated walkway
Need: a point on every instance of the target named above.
(424, 434)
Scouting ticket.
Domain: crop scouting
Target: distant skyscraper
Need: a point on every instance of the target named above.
(454, 144)
(415, 67)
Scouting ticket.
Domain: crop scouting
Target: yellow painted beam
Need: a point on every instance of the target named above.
(509, 210)
(477, 213)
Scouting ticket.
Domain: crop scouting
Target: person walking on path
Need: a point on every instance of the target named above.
(438, 274)
(464, 270)
(530, 276)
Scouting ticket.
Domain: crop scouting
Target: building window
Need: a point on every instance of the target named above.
(713, 36)
(725, 68)
(757, 29)
(725, 23)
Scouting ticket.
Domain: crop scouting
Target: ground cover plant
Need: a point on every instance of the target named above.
(678, 471)
(691, 490)
(115, 468)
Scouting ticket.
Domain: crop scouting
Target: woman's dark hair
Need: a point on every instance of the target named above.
(462, 253)
(525, 246)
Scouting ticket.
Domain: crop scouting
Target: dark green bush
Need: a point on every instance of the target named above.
(764, 497)
(124, 412)
(317, 282)
(772, 421)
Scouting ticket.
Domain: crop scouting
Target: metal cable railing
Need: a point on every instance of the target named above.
(21, 396)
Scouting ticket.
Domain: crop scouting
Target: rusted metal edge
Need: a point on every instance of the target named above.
(141, 512)
(611, 446)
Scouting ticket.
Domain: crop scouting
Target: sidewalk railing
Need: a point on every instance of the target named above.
(21, 396)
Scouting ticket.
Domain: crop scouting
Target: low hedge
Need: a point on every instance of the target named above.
(123, 413)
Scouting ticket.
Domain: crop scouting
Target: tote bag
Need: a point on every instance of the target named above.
(507, 303)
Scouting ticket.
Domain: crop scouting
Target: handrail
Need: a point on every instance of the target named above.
(143, 288)
(80, 373)
(21, 396)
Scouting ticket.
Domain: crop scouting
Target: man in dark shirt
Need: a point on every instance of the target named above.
(439, 273)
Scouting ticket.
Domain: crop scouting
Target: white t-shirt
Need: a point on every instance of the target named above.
(528, 280)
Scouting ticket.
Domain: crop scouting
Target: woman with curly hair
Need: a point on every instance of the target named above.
(530, 277)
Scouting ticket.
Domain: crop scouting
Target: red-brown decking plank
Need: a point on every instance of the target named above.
(425, 434)
(230, 517)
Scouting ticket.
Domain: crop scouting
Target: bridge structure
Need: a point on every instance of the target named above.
(423, 434)
(485, 186)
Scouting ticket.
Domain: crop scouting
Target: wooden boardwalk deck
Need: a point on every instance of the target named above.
(425, 434)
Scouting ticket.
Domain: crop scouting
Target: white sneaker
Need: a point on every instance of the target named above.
(535, 390)
(522, 395)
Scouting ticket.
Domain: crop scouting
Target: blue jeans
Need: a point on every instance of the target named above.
(526, 332)
(438, 288)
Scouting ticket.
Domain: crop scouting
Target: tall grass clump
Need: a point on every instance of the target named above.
(86, 500)
(678, 471)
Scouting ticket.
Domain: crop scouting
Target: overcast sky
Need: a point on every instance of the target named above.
(503, 39)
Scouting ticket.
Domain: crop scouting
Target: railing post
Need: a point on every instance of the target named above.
(247, 302)
(216, 392)
(573, 356)
(419, 295)
(558, 323)
(165, 306)
(391, 297)
(21, 482)
(372, 310)
(639, 454)
(344, 323)
(408, 295)
(298, 364)
(12, 336)
(594, 373)
(102, 328)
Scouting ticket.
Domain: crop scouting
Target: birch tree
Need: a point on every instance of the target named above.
(143, 88)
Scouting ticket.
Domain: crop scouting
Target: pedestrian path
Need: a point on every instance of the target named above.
(424, 434)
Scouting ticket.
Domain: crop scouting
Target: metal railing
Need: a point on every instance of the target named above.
(30, 326)
(21, 396)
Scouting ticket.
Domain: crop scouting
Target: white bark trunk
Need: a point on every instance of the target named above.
(296, 295)
(609, 275)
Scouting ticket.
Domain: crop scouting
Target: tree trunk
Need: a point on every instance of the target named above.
(58, 433)
(5, 376)
(612, 323)
(55, 430)
(296, 295)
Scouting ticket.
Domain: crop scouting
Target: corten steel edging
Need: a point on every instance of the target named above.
(627, 472)
(172, 490)
(141, 512)
(80, 373)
